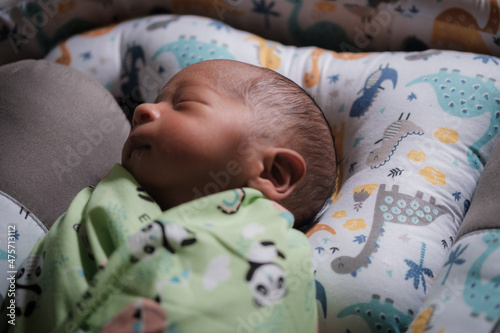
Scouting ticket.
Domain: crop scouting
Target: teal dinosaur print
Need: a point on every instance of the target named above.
(189, 51)
(70, 28)
(467, 97)
(380, 317)
(484, 297)
(323, 34)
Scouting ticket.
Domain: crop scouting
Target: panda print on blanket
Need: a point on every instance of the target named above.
(265, 278)
(27, 288)
(155, 235)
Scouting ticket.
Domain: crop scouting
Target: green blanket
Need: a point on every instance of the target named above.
(114, 262)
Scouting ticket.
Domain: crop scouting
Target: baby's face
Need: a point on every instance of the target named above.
(188, 142)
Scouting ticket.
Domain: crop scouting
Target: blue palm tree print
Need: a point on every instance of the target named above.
(454, 259)
(417, 272)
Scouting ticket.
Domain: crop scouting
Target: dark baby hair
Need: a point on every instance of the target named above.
(288, 115)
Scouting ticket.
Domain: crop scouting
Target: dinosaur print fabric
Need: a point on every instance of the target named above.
(467, 287)
(31, 28)
(114, 262)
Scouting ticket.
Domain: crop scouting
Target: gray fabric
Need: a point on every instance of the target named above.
(496, 329)
(60, 131)
(484, 211)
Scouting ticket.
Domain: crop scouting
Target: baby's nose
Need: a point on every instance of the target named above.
(145, 113)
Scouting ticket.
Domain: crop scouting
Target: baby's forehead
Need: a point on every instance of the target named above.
(174, 87)
(191, 76)
(220, 72)
(197, 77)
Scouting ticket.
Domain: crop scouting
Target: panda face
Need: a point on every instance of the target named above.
(268, 284)
(157, 235)
(31, 270)
(263, 252)
(149, 249)
(38, 271)
(145, 242)
(178, 236)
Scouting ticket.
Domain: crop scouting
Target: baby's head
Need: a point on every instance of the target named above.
(223, 124)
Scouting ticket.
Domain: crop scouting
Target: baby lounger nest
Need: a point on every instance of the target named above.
(413, 131)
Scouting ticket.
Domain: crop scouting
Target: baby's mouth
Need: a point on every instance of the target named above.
(138, 148)
(138, 152)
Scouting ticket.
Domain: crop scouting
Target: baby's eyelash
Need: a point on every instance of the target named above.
(178, 99)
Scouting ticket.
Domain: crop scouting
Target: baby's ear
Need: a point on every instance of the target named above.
(283, 169)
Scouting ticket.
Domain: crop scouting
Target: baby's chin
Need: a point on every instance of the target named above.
(129, 167)
(132, 159)
(124, 157)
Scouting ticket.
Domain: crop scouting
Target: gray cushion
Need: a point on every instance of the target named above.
(484, 211)
(60, 132)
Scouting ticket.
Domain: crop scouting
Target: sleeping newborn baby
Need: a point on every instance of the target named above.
(196, 230)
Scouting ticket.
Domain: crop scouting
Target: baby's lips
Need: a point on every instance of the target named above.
(137, 142)
(135, 146)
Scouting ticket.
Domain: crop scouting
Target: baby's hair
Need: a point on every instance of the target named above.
(288, 115)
